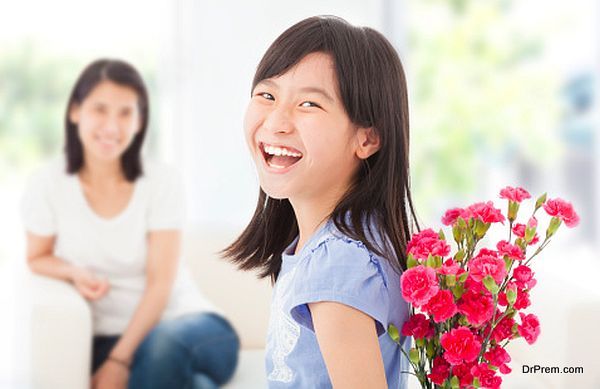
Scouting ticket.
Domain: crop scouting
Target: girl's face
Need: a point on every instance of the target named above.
(300, 137)
(107, 120)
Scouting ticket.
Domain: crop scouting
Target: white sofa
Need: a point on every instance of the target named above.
(60, 320)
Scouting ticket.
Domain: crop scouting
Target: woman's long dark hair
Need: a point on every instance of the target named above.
(372, 86)
(120, 73)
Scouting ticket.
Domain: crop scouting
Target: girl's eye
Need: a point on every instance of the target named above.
(309, 104)
(266, 95)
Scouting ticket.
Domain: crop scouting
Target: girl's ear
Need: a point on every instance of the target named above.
(74, 113)
(368, 142)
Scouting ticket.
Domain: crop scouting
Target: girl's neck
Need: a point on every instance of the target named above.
(103, 173)
(312, 214)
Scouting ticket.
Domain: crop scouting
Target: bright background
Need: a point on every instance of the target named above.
(501, 93)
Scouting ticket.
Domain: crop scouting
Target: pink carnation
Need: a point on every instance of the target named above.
(449, 267)
(484, 212)
(510, 250)
(419, 284)
(523, 277)
(476, 287)
(427, 242)
(563, 210)
(460, 345)
(498, 357)
(504, 329)
(529, 327)
(440, 371)
(463, 372)
(451, 215)
(522, 301)
(418, 326)
(477, 308)
(441, 306)
(487, 377)
(514, 194)
(486, 263)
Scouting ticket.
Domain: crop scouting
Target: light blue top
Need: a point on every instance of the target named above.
(331, 267)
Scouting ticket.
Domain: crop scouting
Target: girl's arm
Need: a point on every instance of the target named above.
(161, 268)
(348, 341)
(41, 260)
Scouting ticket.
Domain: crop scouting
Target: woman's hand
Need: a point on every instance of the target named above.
(88, 285)
(111, 375)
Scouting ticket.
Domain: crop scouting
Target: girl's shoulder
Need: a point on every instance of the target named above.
(334, 251)
(51, 174)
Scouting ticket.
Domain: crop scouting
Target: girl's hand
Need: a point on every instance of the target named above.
(88, 285)
(111, 375)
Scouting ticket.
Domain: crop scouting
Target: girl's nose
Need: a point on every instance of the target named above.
(279, 121)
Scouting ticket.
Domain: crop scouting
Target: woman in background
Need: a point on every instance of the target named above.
(110, 224)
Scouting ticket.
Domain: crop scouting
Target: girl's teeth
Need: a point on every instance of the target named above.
(278, 151)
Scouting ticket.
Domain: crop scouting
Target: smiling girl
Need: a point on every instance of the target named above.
(327, 127)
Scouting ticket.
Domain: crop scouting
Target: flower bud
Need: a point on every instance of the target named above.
(530, 229)
(450, 280)
(554, 224)
(413, 355)
(454, 383)
(490, 284)
(511, 294)
(411, 261)
(513, 209)
(393, 333)
(540, 201)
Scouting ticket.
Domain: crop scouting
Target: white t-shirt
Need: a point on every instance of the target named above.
(54, 205)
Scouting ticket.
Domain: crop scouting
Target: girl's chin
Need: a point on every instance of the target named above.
(276, 193)
(107, 155)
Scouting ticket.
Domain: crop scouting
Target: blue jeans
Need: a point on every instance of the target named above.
(194, 351)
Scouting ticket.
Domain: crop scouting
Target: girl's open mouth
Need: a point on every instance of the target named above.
(280, 157)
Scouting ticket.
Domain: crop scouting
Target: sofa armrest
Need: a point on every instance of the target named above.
(61, 333)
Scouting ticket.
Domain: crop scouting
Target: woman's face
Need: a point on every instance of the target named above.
(299, 135)
(107, 120)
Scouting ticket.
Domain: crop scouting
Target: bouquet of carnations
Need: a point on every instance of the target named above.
(467, 307)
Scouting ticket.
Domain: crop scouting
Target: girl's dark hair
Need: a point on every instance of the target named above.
(372, 87)
(121, 73)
